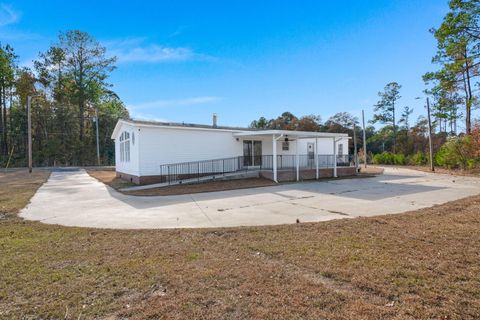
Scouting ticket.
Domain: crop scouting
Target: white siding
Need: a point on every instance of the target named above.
(132, 166)
(172, 145)
(154, 146)
(325, 146)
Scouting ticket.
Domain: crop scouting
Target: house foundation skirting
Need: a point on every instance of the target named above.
(140, 180)
(282, 175)
(307, 174)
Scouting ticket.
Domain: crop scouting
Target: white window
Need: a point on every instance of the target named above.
(125, 147)
(285, 146)
(340, 149)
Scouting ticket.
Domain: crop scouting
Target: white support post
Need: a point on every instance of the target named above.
(316, 158)
(297, 158)
(334, 158)
(274, 159)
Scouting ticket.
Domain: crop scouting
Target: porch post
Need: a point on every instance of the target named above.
(316, 158)
(297, 158)
(334, 157)
(274, 159)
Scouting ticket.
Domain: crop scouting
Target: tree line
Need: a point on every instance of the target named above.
(410, 138)
(452, 91)
(69, 87)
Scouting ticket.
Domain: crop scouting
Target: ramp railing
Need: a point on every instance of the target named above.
(204, 169)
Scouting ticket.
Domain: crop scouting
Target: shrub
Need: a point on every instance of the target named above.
(440, 157)
(456, 153)
(377, 159)
(418, 159)
(389, 158)
(471, 164)
(400, 159)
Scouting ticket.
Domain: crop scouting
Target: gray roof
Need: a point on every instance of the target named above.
(189, 125)
(251, 131)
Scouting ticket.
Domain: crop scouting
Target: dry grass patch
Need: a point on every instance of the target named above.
(17, 186)
(210, 186)
(371, 170)
(419, 265)
(109, 178)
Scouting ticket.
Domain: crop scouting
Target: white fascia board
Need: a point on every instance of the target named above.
(117, 128)
(297, 134)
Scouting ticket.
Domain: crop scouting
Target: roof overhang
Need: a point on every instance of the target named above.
(291, 134)
(239, 133)
(151, 124)
(117, 128)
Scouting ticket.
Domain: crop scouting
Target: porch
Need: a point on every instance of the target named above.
(288, 168)
(295, 155)
(277, 155)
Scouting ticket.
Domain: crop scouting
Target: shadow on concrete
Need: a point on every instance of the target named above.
(369, 189)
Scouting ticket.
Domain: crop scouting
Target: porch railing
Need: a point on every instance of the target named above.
(178, 172)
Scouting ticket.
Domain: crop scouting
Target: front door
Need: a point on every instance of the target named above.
(311, 154)
(252, 153)
(311, 150)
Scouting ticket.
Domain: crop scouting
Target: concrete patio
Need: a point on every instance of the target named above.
(74, 198)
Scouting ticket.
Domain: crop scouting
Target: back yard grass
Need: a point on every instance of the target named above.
(418, 265)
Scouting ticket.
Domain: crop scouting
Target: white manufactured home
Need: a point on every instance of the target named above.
(151, 152)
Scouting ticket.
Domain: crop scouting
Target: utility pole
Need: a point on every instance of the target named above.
(98, 144)
(355, 147)
(29, 124)
(432, 168)
(364, 142)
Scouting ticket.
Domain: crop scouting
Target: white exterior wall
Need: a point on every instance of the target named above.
(132, 166)
(325, 145)
(160, 145)
(154, 146)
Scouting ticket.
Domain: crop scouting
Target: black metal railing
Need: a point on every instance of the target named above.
(305, 161)
(178, 172)
(197, 169)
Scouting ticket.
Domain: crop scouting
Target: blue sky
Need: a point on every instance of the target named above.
(184, 60)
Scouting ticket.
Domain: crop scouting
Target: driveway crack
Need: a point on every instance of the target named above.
(201, 210)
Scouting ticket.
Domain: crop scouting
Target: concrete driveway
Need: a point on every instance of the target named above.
(74, 198)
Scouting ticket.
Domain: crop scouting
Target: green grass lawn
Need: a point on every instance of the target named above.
(419, 265)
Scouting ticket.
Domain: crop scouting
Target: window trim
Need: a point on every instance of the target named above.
(125, 146)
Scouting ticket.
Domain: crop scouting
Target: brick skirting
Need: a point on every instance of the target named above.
(307, 174)
(140, 180)
(158, 178)
(282, 175)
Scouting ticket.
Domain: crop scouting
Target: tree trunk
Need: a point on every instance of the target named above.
(467, 121)
(5, 115)
(468, 113)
